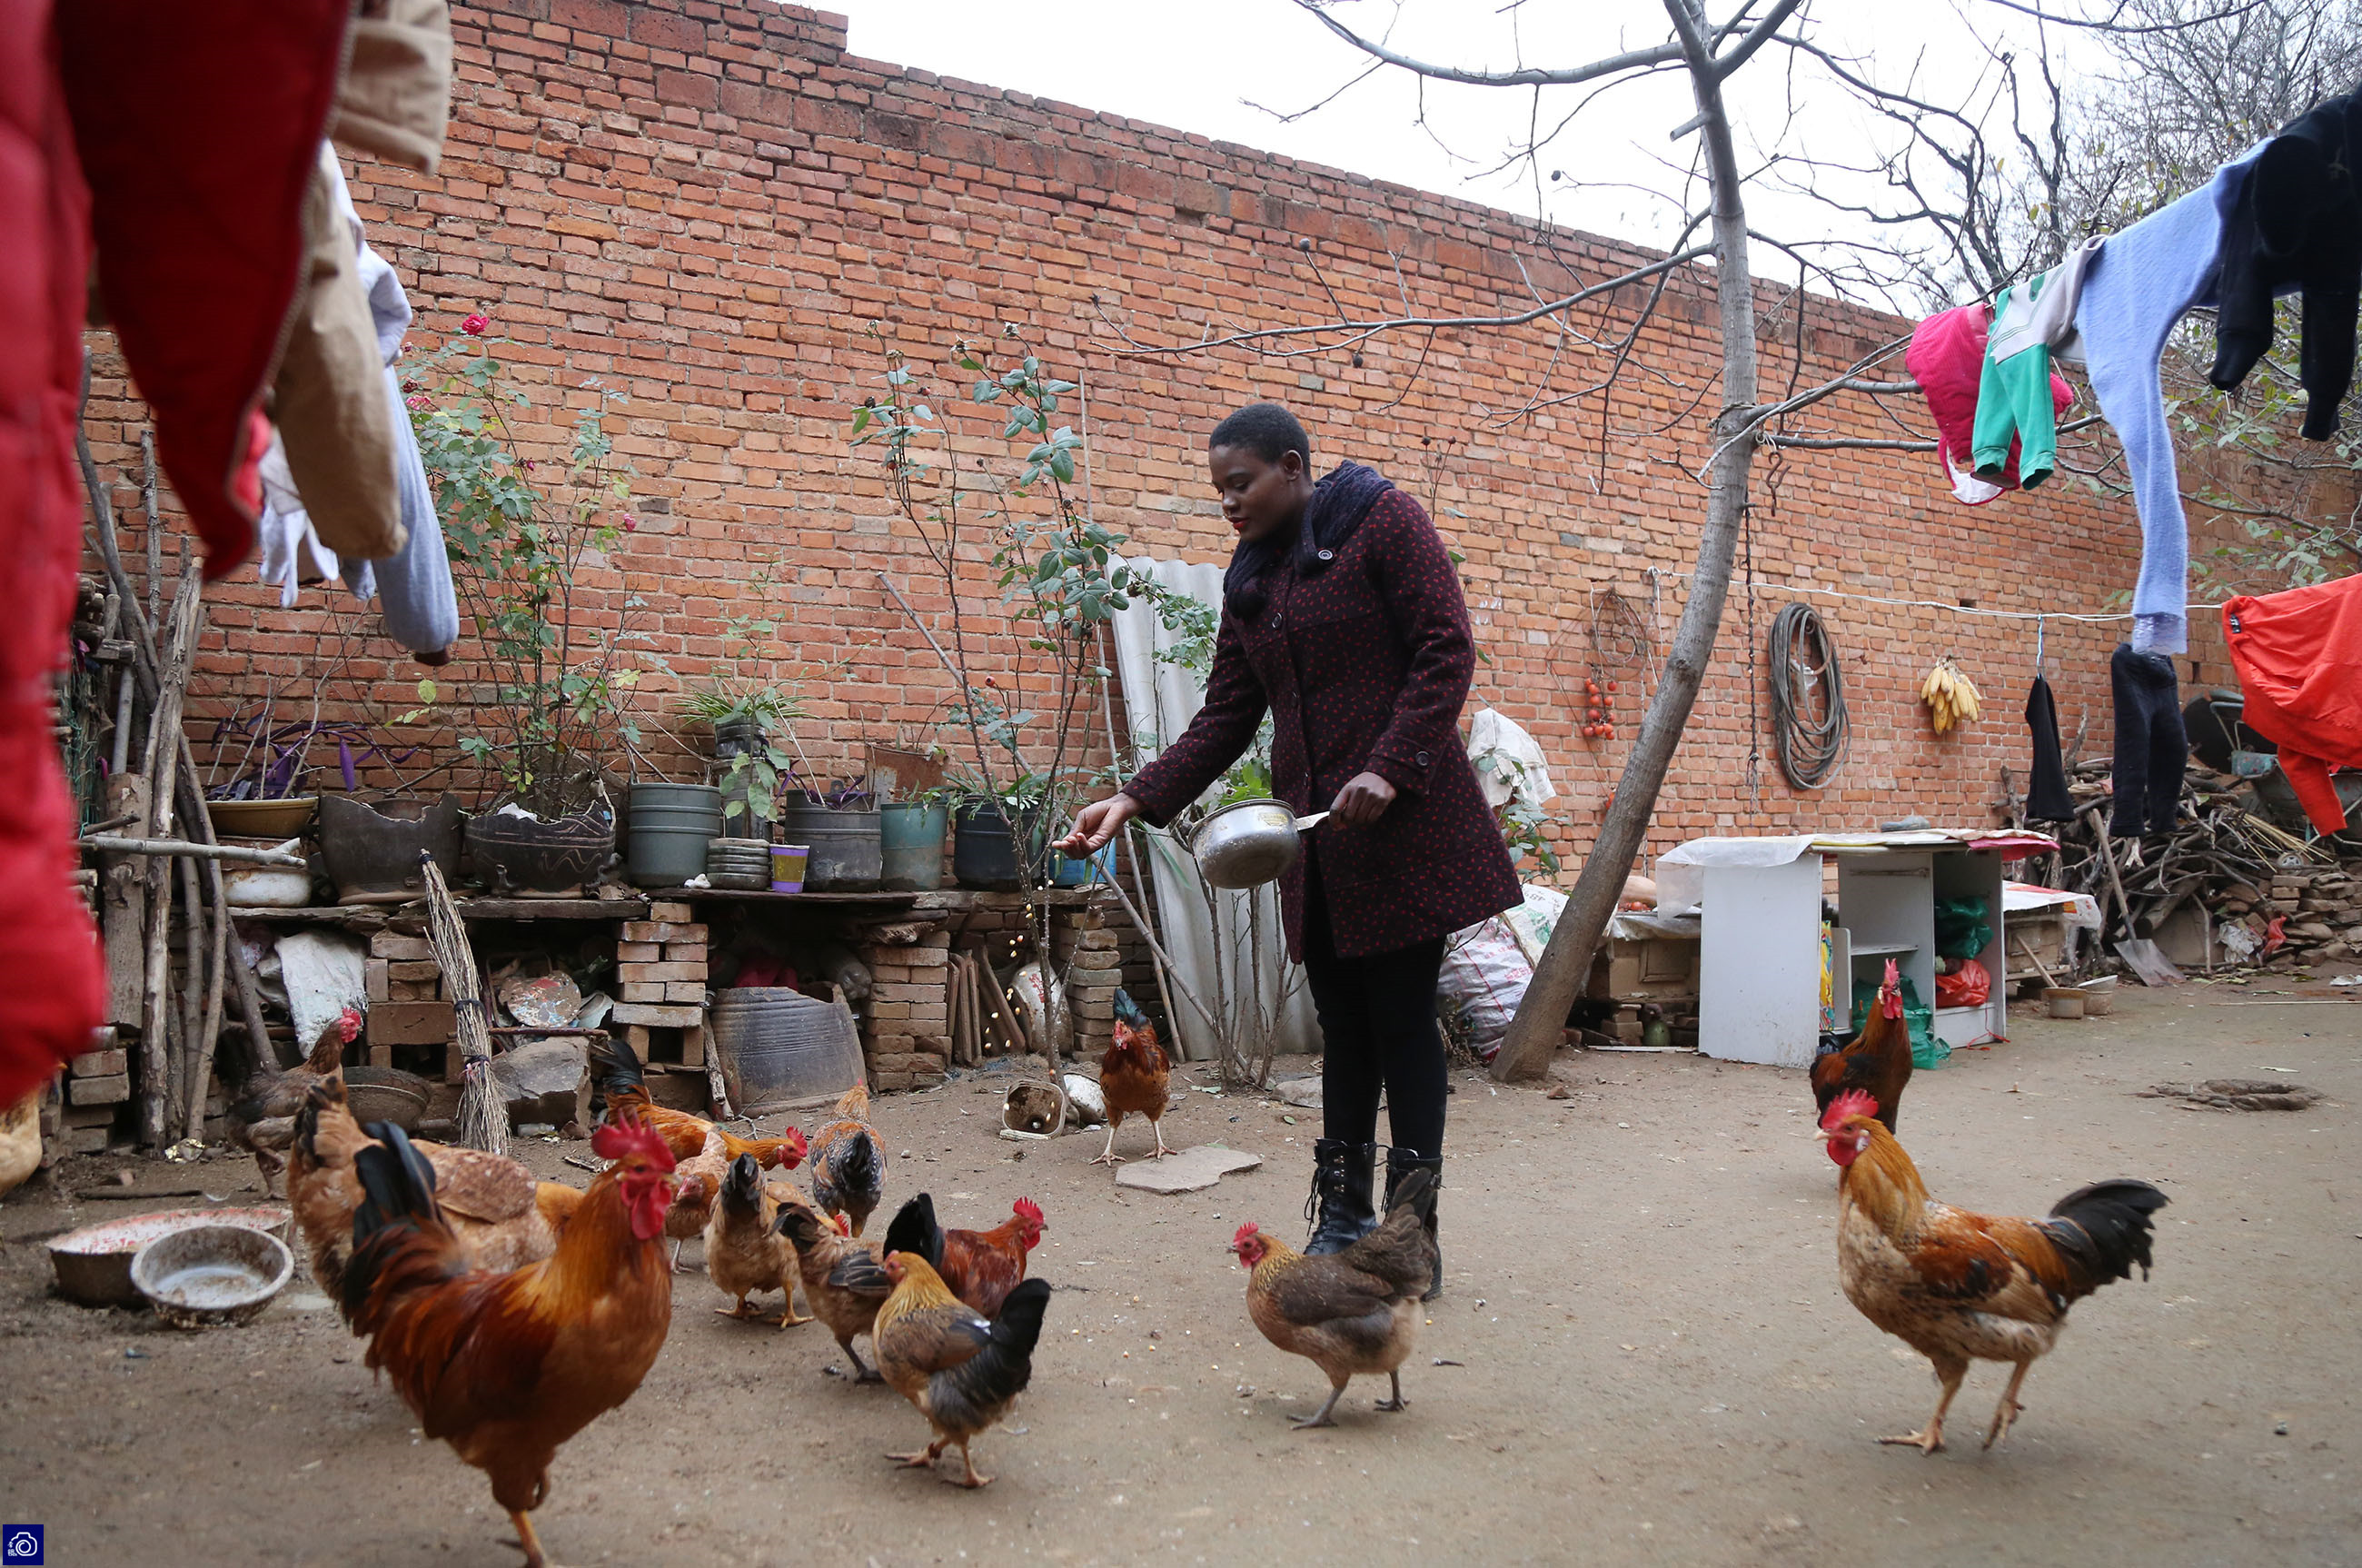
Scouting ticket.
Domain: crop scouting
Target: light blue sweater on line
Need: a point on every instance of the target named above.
(2141, 284)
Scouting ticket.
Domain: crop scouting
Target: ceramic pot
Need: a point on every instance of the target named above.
(518, 856)
(372, 850)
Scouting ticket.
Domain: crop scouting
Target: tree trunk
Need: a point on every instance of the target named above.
(1540, 1023)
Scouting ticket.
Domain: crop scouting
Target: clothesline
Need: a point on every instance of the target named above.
(1939, 604)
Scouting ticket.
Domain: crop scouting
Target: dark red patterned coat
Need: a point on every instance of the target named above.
(1365, 667)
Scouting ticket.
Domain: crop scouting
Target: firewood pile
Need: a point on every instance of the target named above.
(2261, 894)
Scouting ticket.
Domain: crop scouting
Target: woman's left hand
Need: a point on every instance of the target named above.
(1362, 801)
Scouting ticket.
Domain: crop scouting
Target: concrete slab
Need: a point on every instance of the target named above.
(1191, 1170)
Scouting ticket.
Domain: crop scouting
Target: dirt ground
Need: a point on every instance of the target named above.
(1646, 1357)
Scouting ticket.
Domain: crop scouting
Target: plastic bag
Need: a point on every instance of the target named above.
(1487, 966)
(1963, 926)
(1967, 985)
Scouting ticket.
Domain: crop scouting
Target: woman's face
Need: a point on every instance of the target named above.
(1260, 497)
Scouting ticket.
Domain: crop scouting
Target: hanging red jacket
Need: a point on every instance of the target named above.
(1946, 358)
(2298, 655)
(51, 998)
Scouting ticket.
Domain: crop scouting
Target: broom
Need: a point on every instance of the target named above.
(483, 1114)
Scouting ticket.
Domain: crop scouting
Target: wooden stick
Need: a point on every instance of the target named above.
(193, 849)
(1019, 1039)
(182, 1075)
(980, 1016)
(972, 1008)
(164, 759)
(2040, 968)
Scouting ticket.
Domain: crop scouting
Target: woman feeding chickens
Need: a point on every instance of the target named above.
(1342, 616)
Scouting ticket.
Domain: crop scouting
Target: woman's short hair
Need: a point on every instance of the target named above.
(1266, 428)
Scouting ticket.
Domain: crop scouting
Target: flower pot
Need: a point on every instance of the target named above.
(1067, 872)
(516, 853)
(372, 850)
(984, 851)
(670, 824)
(911, 840)
(790, 863)
(263, 818)
(847, 851)
(737, 737)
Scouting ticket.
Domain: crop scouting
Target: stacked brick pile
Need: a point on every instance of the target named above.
(407, 1004)
(1091, 958)
(97, 1084)
(660, 975)
(910, 1016)
(2319, 908)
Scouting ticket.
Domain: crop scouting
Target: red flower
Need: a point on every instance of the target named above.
(418, 403)
(631, 524)
(476, 325)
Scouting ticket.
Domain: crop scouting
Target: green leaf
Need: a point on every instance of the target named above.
(426, 692)
(860, 420)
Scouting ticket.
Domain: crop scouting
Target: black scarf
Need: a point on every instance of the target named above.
(1339, 503)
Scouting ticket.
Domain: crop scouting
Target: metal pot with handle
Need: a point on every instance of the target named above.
(1249, 843)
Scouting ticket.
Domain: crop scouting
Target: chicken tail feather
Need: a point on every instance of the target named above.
(398, 1230)
(914, 1230)
(999, 1371)
(2102, 1231)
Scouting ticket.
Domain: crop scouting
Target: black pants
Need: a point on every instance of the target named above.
(1378, 1031)
(2152, 751)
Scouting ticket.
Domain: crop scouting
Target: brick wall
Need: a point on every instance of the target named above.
(712, 207)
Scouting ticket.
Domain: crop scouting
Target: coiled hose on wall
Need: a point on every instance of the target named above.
(1808, 707)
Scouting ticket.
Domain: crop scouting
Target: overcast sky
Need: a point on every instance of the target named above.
(1229, 69)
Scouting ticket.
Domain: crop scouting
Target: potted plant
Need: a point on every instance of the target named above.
(841, 825)
(911, 835)
(522, 535)
(744, 714)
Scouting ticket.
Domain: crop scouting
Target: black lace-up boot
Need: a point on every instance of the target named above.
(1339, 1206)
(1398, 1165)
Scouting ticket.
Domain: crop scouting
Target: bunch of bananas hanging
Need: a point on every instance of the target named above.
(1951, 696)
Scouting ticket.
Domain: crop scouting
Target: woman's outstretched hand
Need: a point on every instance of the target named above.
(1097, 823)
(1362, 801)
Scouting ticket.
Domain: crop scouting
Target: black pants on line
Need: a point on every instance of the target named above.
(2152, 751)
(1378, 1031)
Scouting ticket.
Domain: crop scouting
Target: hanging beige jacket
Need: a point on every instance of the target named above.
(397, 89)
(329, 400)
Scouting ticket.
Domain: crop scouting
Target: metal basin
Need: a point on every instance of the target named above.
(1249, 843)
(211, 1276)
(94, 1263)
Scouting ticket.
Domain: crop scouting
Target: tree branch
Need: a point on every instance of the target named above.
(1363, 330)
(1666, 53)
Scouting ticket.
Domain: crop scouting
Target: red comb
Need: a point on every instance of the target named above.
(621, 1137)
(1890, 995)
(1852, 1103)
(1245, 1231)
(1028, 1210)
(348, 1025)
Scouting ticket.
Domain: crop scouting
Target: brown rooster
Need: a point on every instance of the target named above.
(958, 1368)
(1958, 1287)
(1356, 1310)
(262, 1118)
(1877, 1061)
(1134, 1076)
(506, 1367)
(980, 1267)
(495, 1209)
(848, 1163)
(745, 1254)
(697, 1187)
(844, 1282)
(625, 1086)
